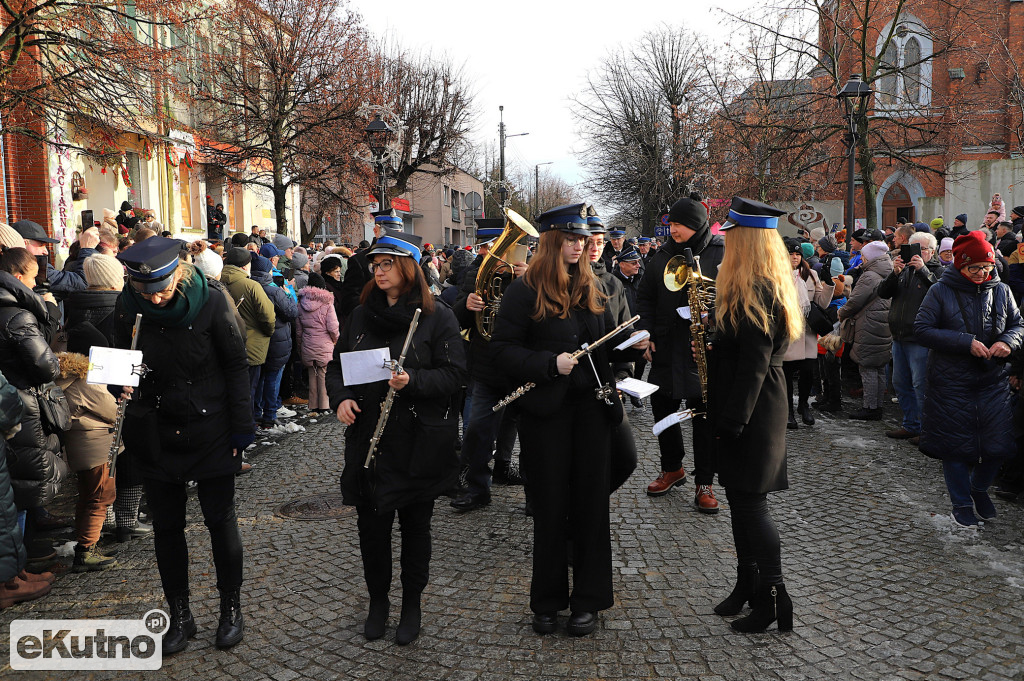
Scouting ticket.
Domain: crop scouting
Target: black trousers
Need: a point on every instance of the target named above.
(565, 459)
(803, 371)
(622, 455)
(831, 383)
(217, 500)
(755, 534)
(671, 445)
(375, 547)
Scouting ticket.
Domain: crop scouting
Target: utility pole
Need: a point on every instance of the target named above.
(502, 187)
(536, 187)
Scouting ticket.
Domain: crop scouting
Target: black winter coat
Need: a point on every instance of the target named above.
(1007, 245)
(748, 405)
(12, 549)
(967, 414)
(286, 310)
(526, 350)
(673, 368)
(415, 458)
(907, 290)
(482, 365)
(631, 286)
(27, 362)
(95, 307)
(356, 275)
(180, 420)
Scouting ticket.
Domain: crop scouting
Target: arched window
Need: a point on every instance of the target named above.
(904, 66)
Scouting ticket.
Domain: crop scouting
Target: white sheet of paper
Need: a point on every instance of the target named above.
(636, 387)
(671, 420)
(684, 311)
(633, 340)
(113, 366)
(365, 366)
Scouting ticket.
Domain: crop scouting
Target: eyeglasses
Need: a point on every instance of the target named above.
(162, 293)
(383, 266)
(974, 269)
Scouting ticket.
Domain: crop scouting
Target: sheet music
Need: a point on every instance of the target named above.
(636, 387)
(633, 340)
(365, 366)
(114, 366)
(671, 420)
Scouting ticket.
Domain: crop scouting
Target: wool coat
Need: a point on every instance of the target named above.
(967, 413)
(872, 342)
(316, 327)
(415, 459)
(748, 403)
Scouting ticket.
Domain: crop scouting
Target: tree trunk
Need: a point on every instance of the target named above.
(867, 175)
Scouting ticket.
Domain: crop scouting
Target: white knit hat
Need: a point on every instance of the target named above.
(209, 263)
(10, 238)
(104, 271)
(873, 250)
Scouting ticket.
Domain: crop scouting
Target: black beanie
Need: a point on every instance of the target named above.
(125, 206)
(1019, 210)
(689, 211)
(239, 239)
(83, 336)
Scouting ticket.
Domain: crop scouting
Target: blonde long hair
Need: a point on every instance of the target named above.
(560, 288)
(757, 258)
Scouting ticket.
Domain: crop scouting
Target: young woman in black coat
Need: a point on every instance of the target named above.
(758, 315)
(565, 430)
(189, 419)
(415, 460)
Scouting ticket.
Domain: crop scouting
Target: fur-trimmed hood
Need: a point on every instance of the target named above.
(311, 298)
(73, 365)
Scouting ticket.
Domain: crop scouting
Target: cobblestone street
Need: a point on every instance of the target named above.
(883, 587)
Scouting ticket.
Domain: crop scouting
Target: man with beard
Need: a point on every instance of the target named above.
(665, 314)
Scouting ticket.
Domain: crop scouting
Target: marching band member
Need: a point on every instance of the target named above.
(415, 460)
(616, 238)
(758, 315)
(672, 367)
(565, 429)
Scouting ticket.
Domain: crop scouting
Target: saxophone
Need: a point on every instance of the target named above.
(683, 271)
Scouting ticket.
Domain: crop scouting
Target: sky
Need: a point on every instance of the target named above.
(532, 56)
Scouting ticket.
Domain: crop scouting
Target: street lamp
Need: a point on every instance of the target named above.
(378, 136)
(536, 187)
(854, 100)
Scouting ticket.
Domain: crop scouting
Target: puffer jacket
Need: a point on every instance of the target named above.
(316, 326)
(967, 411)
(33, 455)
(93, 414)
(907, 291)
(256, 310)
(872, 342)
(285, 311)
(95, 307)
(12, 549)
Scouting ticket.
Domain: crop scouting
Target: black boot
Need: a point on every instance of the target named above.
(182, 626)
(771, 603)
(805, 414)
(792, 424)
(746, 587)
(377, 618)
(232, 626)
(409, 624)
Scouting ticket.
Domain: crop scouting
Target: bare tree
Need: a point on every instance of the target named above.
(643, 118)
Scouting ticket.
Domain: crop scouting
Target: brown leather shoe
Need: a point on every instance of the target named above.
(901, 434)
(292, 401)
(17, 590)
(705, 500)
(666, 481)
(916, 440)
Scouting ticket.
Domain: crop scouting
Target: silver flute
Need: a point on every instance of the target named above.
(385, 407)
(585, 350)
(122, 406)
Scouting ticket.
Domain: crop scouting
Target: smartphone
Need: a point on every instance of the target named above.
(279, 280)
(42, 261)
(908, 251)
(289, 273)
(87, 220)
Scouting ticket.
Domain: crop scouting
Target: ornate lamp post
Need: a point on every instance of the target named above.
(378, 137)
(854, 101)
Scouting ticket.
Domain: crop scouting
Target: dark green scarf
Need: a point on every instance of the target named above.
(183, 308)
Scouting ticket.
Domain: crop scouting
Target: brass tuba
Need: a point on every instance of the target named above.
(683, 271)
(505, 250)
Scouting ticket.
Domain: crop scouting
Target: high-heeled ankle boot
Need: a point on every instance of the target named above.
(746, 587)
(232, 625)
(409, 624)
(771, 603)
(377, 618)
(182, 626)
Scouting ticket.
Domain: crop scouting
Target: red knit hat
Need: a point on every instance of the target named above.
(972, 249)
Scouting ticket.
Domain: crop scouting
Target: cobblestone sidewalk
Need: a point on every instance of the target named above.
(883, 587)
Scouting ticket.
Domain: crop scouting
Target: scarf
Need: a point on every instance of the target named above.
(389, 319)
(182, 309)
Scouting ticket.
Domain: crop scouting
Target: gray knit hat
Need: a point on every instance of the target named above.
(828, 243)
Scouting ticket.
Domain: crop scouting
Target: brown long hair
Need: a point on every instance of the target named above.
(16, 260)
(413, 283)
(560, 288)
